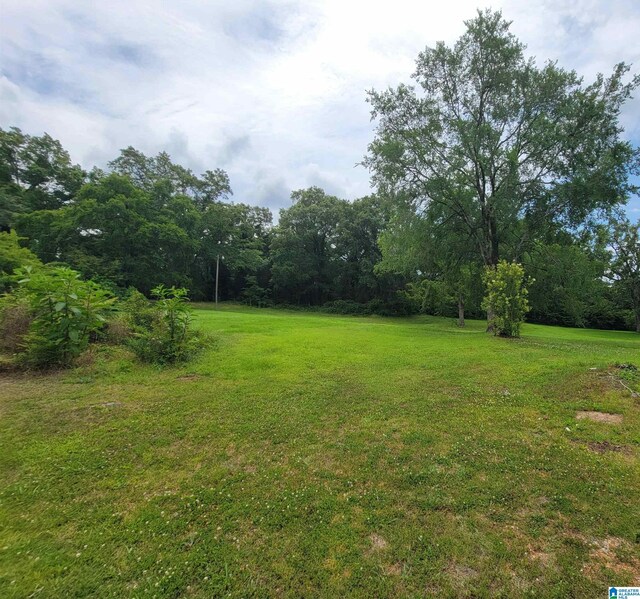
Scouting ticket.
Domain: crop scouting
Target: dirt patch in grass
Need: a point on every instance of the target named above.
(392, 569)
(599, 417)
(188, 377)
(378, 543)
(462, 574)
(538, 555)
(604, 554)
(605, 446)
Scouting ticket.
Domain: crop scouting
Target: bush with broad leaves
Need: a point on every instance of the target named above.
(64, 311)
(168, 337)
(506, 297)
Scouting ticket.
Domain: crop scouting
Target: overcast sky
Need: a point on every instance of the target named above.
(272, 92)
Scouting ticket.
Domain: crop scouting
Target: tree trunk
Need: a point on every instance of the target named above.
(491, 228)
(217, 275)
(460, 311)
(491, 327)
(490, 314)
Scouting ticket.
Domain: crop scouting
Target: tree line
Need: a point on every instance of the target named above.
(147, 221)
(487, 158)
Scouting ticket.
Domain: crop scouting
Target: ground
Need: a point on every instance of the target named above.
(307, 455)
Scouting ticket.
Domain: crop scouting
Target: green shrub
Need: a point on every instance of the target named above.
(163, 333)
(134, 314)
(432, 297)
(12, 257)
(139, 311)
(345, 307)
(506, 297)
(400, 305)
(65, 312)
(118, 330)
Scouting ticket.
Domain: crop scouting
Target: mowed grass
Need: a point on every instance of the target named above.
(307, 455)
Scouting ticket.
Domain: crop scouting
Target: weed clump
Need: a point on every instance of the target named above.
(51, 315)
(161, 330)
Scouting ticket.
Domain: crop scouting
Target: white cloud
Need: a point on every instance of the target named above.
(274, 92)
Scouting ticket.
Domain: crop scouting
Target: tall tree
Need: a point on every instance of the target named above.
(147, 172)
(233, 240)
(567, 282)
(625, 263)
(434, 251)
(115, 230)
(36, 173)
(505, 146)
(304, 248)
(358, 252)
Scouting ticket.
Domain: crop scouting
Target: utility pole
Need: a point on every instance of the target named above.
(217, 273)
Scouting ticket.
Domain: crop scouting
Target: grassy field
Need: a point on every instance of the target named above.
(308, 455)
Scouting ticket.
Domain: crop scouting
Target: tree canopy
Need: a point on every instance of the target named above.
(500, 145)
(487, 158)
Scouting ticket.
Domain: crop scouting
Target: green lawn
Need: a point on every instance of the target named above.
(308, 455)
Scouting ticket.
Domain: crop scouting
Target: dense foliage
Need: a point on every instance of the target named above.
(150, 222)
(494, 155)
(60, 311)
(624, 266)
(12, 257)
(162, 332)
(506, 298)
(491, 157)
(501, 147)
